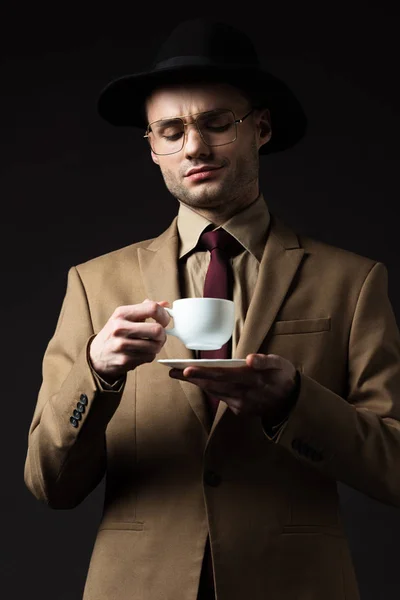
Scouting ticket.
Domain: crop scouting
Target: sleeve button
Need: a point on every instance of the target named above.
(316, 456)
(83, 399)
(296, 444)
(212, 478)
(73, 421)
(80, 407)
(77, 415)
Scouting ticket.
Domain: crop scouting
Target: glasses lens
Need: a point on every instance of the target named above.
(217, 127)
(166, 136)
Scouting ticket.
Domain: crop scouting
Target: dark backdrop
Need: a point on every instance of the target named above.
(73, 187)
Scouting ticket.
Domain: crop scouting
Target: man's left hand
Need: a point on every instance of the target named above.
(263, 387)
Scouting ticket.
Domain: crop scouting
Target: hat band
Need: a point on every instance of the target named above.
(193, 61)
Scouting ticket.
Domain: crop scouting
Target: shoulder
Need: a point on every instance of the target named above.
(321, 255)
(116, 263)
(107, 269)
(115, 257)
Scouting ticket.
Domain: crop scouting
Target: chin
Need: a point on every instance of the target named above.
(202, 195)
(205, 188)
(205, 198)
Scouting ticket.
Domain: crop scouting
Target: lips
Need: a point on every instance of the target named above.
(201, 170)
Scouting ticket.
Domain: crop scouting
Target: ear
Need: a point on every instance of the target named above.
(264, 127)
(154, 157)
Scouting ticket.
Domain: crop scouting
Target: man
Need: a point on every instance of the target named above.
(241, 503)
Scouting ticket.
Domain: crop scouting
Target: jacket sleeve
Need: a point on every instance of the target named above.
(356, 439)
(66, 442)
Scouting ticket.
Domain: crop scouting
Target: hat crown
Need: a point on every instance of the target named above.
(211, 40)
(201, 50)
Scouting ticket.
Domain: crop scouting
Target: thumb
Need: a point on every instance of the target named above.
(257, 361)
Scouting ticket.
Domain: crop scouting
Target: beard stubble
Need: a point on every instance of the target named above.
(211, 195)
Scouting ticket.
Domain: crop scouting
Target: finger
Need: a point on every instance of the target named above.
(263, 362)
(141, 331)
(148, 309)
(140, 345)
(228, 374)
(229, 390)
(158, 313)
(227, 397)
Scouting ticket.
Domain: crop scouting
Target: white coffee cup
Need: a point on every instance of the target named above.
(202, 323)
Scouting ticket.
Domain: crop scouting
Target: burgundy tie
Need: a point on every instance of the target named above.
(218, 284)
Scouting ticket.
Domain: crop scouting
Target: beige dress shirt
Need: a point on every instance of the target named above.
(250, 228)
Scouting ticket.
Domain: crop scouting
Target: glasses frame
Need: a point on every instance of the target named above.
(195, 117)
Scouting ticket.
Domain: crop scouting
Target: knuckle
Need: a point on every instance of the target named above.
(157, 330)
(118, 312)
(122, 346)
(116, 330)
(121, 360)
(115, 326)
(152, 308)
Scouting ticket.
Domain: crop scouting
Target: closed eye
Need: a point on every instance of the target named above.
(173, 137)
(217, 128)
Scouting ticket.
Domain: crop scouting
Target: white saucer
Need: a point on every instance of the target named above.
(182, 363)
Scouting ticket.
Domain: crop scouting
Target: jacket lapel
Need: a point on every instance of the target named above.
(281, 259)
(159, 269)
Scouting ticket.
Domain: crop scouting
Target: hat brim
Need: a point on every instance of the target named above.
(121, 102)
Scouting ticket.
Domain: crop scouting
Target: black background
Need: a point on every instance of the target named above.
(74, 187)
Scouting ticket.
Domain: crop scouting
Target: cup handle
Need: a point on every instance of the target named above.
(172, 330)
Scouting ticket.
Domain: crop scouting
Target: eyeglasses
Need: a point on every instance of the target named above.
(216, 128)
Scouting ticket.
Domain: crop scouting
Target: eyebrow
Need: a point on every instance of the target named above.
(171, 119)
(167, 120)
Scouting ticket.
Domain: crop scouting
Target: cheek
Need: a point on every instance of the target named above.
(169, 166)
(225, 156)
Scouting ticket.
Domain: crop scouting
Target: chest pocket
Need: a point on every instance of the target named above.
(301, 326)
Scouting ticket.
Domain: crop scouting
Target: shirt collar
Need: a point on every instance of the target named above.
(249, 227)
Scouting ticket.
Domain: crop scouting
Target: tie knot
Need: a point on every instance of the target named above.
(222, 240)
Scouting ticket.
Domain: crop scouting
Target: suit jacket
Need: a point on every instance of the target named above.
(271, 508)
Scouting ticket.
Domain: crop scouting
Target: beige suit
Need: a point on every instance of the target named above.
(271, 507)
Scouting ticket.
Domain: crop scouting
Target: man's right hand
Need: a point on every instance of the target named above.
(126, 341)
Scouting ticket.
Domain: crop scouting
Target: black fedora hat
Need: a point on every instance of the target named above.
(203, 49)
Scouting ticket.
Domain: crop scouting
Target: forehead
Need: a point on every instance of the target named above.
(185, 99)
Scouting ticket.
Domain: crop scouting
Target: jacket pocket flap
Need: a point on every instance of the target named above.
(312, 529)
(301, 326)
(133, 525)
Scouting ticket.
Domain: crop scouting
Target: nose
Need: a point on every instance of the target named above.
(194, 144)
